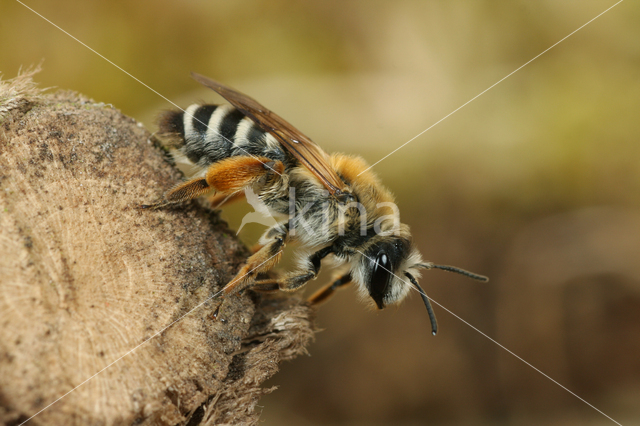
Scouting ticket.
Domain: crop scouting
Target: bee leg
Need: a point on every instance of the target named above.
(182, 192)
(269, 285)
(227, 176)
(327, 291)
(261, 261)
(235, 173)
(295, 280)
(256, 247)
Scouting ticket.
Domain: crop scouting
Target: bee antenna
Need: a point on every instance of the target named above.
(427, 303)
(460, 271)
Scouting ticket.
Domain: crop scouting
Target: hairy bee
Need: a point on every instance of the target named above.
(332, 204)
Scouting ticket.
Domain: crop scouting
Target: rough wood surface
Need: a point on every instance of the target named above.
(86, 276)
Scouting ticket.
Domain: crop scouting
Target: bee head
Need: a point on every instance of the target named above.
(382, 268)
(389, 267)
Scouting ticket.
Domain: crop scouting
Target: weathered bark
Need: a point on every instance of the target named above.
(86, 277)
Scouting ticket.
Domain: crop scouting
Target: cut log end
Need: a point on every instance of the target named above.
(93, 285)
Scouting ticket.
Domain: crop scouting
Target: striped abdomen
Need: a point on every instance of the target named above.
(206, 134)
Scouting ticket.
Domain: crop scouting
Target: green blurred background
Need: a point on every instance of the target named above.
(535, 183)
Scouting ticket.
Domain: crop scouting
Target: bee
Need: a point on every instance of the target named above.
(331, 205)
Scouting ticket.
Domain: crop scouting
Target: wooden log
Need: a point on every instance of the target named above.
(105, 308)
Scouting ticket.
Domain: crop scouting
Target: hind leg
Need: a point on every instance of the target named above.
(226, 176)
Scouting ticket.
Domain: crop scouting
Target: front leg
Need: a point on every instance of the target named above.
(297, 279)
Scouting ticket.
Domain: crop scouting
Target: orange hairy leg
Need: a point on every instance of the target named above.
(235, 173)
(261, 261)
(227, 176)
(293, 280)
(254, 248)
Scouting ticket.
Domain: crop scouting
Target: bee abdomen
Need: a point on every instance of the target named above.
(206, 134)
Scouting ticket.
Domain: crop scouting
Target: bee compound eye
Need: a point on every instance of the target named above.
(380, 278)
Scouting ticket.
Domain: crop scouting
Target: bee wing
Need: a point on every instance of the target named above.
(302, 148)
